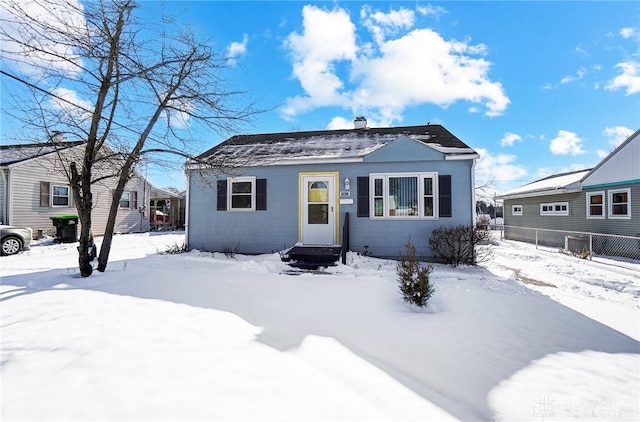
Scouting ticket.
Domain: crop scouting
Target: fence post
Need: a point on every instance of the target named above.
(590, 247)
(536, 238)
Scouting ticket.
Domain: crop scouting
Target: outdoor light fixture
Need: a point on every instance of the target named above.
(347, 183)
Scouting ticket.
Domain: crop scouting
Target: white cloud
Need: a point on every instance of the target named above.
(417, 67)
(602, 153)
(382, 24)
(237, 50)
(627, 32)
(629, 79)
(68, 101)
(429, 9)
(566, 143)
(499, 172)
(314, 53)
(617, 135)
(51, 21)
(338, 123)
(580, 50)
(579, 75)
(509, 138)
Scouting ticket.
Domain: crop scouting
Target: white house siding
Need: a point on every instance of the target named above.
(24, 199)
(623, 166)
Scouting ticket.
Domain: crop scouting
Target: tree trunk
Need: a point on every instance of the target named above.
(84, 202)
(105, 248)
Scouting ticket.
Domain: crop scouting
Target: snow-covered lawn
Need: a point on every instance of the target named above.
(531, 335)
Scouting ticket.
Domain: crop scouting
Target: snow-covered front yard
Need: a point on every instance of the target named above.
(531, 335)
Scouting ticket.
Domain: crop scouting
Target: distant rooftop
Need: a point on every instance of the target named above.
(10, 154)
(556, 183)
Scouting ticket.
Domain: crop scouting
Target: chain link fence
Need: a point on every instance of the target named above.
(582, 244)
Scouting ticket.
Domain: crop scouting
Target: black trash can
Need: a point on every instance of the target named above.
(66, 228)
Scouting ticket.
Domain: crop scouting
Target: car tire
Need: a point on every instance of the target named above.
(11, 245)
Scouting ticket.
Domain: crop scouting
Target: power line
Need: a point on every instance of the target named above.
(44, 91)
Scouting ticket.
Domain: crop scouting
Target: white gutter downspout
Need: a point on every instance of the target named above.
(186, 212)
(473, 193)
(7, 189)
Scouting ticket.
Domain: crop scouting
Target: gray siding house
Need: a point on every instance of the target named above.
(284, 189)
(34, 187)
(604, 199)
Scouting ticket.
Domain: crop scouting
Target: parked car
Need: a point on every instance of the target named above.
(13, 239)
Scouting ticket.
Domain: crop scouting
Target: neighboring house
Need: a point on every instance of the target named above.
(605, 199)
(167, 209)
(34, 187)
(283, 189)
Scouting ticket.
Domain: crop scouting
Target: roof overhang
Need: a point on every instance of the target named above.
(545, 192)
(454, 157)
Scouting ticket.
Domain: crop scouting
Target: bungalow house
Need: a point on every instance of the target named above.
(34, 187)
(604, 199)
(268, 192)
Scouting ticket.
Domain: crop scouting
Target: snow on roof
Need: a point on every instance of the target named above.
(557, 183)
(10, 154)
(331, 144)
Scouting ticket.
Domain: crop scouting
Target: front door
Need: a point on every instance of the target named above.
(318, 213)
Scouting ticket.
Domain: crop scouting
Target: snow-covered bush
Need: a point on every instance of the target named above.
(413, 277)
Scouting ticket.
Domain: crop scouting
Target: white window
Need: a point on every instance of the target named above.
(554, 208)
(125, 200)
(404, 196)
(241, 194)
(129, 200)
(60, 196)
(516, 209)
(595, 204)
(619, 203)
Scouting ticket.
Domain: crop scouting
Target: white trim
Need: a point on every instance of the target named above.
(588, 204)
(514, 212)
(68, 196)
(610, 194)
(461, 157)
(243, 179)
(554, 208)
(386, 199)
(128, 207)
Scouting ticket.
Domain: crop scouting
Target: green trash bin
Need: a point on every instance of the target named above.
(66, 228)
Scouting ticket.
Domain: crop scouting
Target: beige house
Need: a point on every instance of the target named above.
(34, 187)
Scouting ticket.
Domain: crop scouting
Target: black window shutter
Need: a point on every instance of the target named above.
(444, 195)
(363, 197)
(261, 194)
(222, 195)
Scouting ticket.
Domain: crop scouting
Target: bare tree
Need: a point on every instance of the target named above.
(96, 74)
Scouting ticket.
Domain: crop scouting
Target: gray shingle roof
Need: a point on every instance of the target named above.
(330, 144)
(11, 154)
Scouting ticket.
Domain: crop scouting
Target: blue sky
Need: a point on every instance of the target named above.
(536, 88)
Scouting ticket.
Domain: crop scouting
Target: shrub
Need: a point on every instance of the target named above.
(176, 249)
(414, 278)
(460, 245)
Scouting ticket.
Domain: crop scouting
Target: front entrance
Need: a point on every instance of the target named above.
(318, 209)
